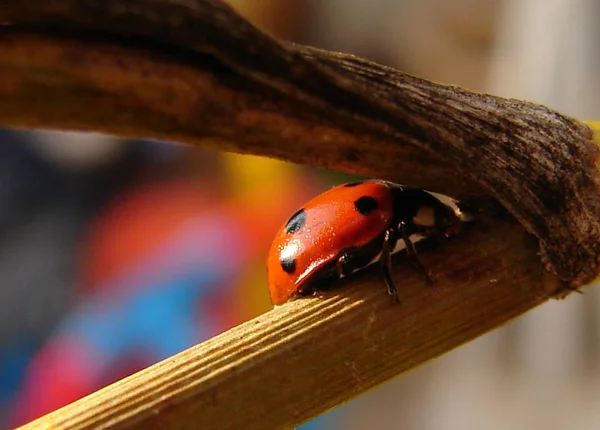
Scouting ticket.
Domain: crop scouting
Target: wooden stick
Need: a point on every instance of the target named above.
(301, 359)
(196, 73)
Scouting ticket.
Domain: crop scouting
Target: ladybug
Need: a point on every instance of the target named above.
(350, 227)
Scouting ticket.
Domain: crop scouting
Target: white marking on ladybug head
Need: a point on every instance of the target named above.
(453, 205)
(425, 217)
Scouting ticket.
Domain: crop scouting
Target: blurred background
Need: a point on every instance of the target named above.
(109, 255)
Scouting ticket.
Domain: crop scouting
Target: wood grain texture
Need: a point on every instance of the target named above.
(301, 359)
(236, 89)
(194, 72)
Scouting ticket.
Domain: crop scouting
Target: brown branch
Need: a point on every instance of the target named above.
(257, 92)
(301, 359)
(195, 73)
(243, 91)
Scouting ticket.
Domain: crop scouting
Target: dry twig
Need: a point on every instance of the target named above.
(196, 73)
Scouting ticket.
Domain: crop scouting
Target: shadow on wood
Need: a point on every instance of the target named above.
(194, 72)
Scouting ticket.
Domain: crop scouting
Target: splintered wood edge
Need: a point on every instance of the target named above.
(308, 356)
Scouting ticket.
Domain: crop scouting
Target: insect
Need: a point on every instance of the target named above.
(350, 227)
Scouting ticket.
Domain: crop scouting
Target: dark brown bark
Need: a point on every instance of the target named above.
(249, 93)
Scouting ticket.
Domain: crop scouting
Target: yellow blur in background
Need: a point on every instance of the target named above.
(117, 254)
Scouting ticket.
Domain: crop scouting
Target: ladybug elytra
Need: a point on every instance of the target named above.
(350, 227)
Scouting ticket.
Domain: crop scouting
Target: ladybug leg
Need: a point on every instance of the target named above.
(412, 253)
(344, 265)
(389, 243)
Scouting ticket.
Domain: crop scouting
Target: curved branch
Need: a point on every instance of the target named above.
(237, 89)
(196, 73)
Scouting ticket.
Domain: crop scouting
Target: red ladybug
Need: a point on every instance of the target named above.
(352, 226)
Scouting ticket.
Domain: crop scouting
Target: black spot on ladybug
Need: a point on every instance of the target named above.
(353, 184)
(365, 205)
(296, 222)
(288, 265)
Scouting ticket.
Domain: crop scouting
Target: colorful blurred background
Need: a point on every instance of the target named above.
(116, 254)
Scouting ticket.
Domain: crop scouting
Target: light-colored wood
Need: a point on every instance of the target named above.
(192, 72)
(301, 359)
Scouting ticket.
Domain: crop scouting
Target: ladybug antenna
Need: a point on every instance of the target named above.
(573, 289)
